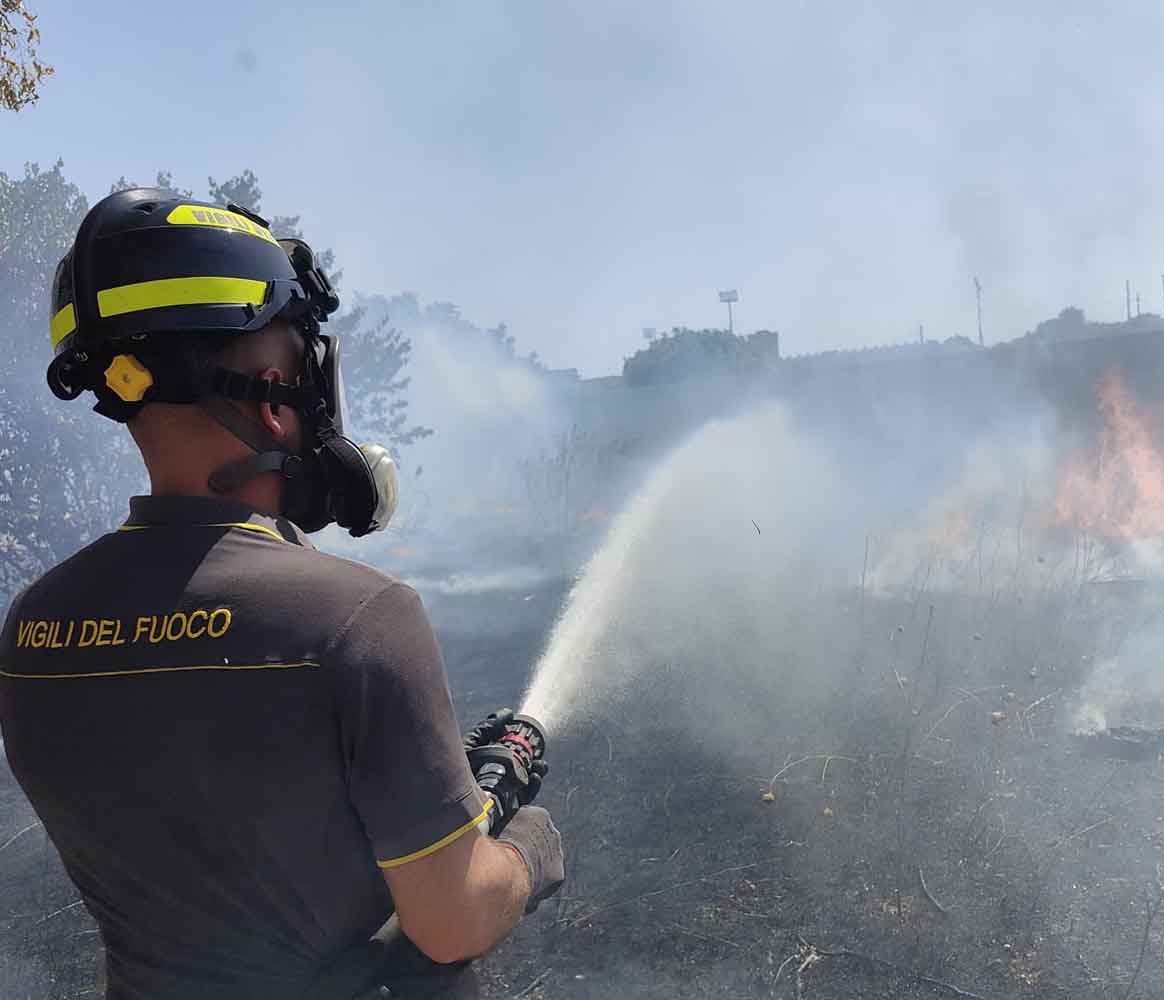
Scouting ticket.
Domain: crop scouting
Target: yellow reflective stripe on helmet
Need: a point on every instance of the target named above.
(180, 292)
(200, 215)
(62, 324)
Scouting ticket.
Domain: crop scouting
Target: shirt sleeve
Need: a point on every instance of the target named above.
(408, 776)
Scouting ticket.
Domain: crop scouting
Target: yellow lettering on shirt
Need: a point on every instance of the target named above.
(81, 633)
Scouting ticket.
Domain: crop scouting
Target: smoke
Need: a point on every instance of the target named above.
(994, 520)
(716, 565)
(1126, 688)
(468, 500)
(470, 584)
(746, 557)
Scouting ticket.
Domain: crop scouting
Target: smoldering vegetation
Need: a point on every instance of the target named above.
(866, 713)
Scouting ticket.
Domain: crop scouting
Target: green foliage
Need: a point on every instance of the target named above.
(39, 213)
(164, 180)
(686, 353)
(21, 71)
(64, 471)
(1070, 324)
(244, 191)
(373, 356)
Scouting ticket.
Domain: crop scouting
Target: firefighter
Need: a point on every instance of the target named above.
(244, 749)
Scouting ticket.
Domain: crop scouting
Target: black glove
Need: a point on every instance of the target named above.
(488, 730)
(499, 771)
(533, 835)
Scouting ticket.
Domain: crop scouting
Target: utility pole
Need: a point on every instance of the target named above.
(730, 296)
(1137, 303)
(921, 333)
(1128, 298)
(978, 299)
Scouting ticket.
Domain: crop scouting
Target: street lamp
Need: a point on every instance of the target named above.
(730, 296)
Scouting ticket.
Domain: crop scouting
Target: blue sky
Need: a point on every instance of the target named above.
(584, 170)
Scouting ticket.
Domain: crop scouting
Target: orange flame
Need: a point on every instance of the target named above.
(1116, 488)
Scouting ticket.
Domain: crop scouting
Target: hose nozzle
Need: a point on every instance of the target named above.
(526, 738)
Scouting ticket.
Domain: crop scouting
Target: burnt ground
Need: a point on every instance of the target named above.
(933, 828)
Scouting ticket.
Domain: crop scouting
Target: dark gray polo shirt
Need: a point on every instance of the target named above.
(224, 732)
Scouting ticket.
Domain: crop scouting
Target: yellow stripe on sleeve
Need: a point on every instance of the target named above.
(424, 852)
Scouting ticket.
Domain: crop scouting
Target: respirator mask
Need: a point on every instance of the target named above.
(336, 480)
(330, 478)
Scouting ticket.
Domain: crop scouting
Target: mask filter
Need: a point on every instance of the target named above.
(387, 485)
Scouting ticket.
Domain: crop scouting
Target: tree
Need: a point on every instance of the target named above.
(686, 353)
(164, 180)
(373, 357)
(244, 191)
(373, 354)
(63, 470)
(39, 213)
(21, 71)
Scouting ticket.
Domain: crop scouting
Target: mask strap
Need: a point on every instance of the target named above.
(271, 456)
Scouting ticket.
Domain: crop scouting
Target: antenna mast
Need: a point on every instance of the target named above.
(978, 299)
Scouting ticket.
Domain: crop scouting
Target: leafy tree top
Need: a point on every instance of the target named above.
(686, 353)
(21, 71)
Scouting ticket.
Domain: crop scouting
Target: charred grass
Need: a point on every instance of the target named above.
(906, 814)
(915, 820)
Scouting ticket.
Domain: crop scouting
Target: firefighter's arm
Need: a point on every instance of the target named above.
(460, 901)
(456, 891)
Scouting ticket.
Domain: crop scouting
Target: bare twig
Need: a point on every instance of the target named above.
(18, 834)
(808, 956)
(1025, 714)
(929, 895)
(826, 757)
(1001, 838)
(784, 965)
(934, 728)
(532, 986)
(704, 937)
(57, 913)
(1085, 830)
(1153, 907)
(1035, 704)
(588, 914)
(900, 970)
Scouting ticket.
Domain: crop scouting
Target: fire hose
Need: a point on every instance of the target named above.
(505, 754)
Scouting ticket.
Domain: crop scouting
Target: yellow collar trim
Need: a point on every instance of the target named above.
(262, 529)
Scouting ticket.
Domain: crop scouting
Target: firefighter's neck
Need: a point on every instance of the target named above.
(182, 447)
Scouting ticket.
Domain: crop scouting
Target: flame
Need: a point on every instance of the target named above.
(1115, 489)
